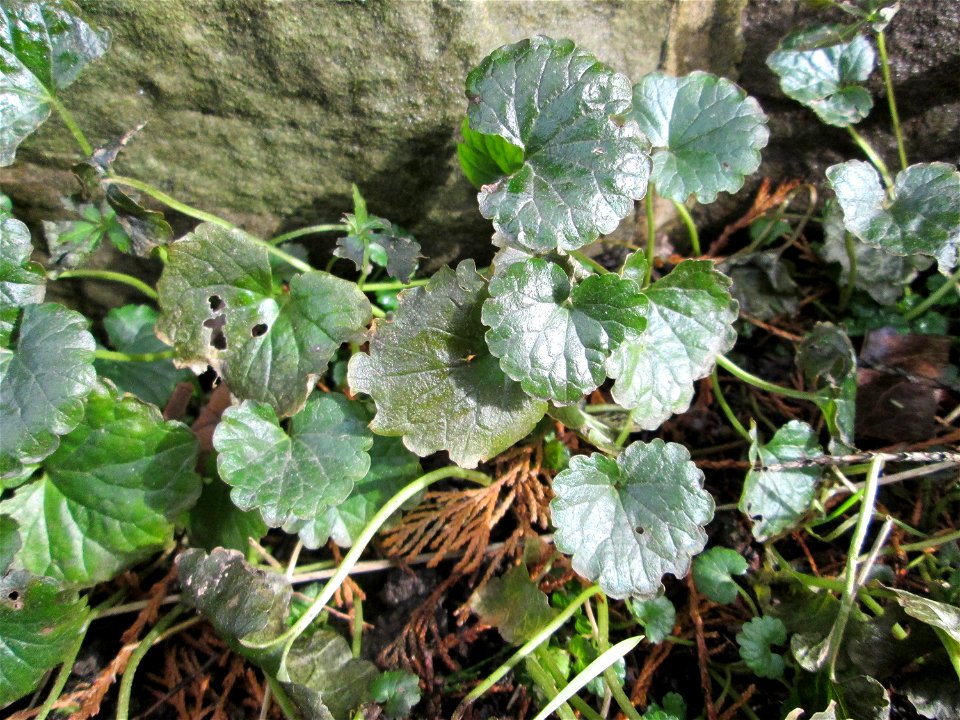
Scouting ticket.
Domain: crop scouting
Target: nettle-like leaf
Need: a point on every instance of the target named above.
(713, 573)
(433, 379)
(22, 282)
(554, 339)
(821, 70)
(220, 307)
(39, 623)
(755, 640)
(397, 691)
(657, 615)
(43, 47)
(776, 499)
(922, 217)
(689, 323)
(514, 605)
(485, 159)
(293, 479)
(706, 133)
(584, 163)
(629, 521)
(130, 330)
(110, 493)
(45, 373)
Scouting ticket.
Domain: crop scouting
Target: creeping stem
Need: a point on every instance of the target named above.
(851, 283)
(107, 275)
(312, 230)
(762, 384)
(134, 357)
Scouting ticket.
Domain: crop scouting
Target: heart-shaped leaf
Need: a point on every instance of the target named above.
(39, 623)
(295, 477)
(689, 323)
(220, 307)
(43, 47)
(22, 282)
(554, 339)
(776, 499)
(110, 494)
(433, 379)
(398, 691)
(629, 521)
(657, 615)
(706, 133)
(45, 373)
(822, 70)
(922, 217)
(713, 573)
(755, 640)
(514, 605)
(584, 164)
(485, 159)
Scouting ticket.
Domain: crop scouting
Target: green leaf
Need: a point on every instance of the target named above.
(584, 652)
(689, 322)
(110, 494)
(145, 229)
(861, 696)
(657, 615)
(484, 159)
(44, 376)
(629, 521)
(822, 71)
(938, 615)
(374, 239)
(219, 306)
(923, 216)
(130, 330)
(22, 282)
(397, 691)
(39, 623)
(514, 605)
(216, 522)
(706, 133)
(584, 164)
(43, 47)
(433, 380)
(776, 499)
(554, 339)
(755, 640)
(829, 363)
(70, 242)
(762, 284)
(10, 542)
(293, 479)
(713, 573)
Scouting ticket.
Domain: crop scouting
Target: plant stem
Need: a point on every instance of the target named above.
(891, 98)
(757, 382)
(110, 275)
(687, 219)
(126, 684)
(651, 232)
(935, 297)
(357, 626)
(283, 700)
(546, 659)
(734, 694)
(71, 124)
(134, 357)
(625, 430)
(847, 291)
(169, 201)
(397, 285)
(313, 229)
(545, 633)
(589, 262)
(727, 410)
(66, 670)
(873, 156)
(543, 680)
(594, 431)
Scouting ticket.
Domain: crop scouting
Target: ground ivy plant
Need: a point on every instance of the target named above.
(466, 362)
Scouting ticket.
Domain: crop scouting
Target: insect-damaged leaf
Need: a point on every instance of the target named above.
(629, 521)
(922, 217)
(821, 70)
(706, 133)
(554, 339)
(43, 47)
(110, 493)
(39, 623)
(514, 605)
(219, 306)
(434, 381)
(689, 322)
(584, 163)
(22, 282)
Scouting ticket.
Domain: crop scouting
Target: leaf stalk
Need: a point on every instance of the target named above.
(891, 98)
(108, 275)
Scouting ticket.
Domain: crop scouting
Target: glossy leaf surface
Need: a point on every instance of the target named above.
(629, 521)
(22, 281)
(756, 639)
(433, 380)
(514, 605)
(938, 615)
(713, 573)
(706, 133)
(584, 164)
(485, 159)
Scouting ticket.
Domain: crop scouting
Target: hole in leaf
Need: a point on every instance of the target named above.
(13, 595)
(638, 530)
(216, 303)
(259, 330)
(217, 339)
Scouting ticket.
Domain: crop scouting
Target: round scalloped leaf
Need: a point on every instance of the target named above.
(713, 573)
(584, 164)
(755, 640)
(514, 604)
(298, 476)
(554, 339)
(706, 133)
(45, 374)
(433, 379)
(39, 623)
(398, 691)
(627, 522)
(922, 218)
(776, 499)
(43, 48)
(22, 282)
(110, 494)
(820, 70)
(220, 307)
(689, 323)
(657, 615)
